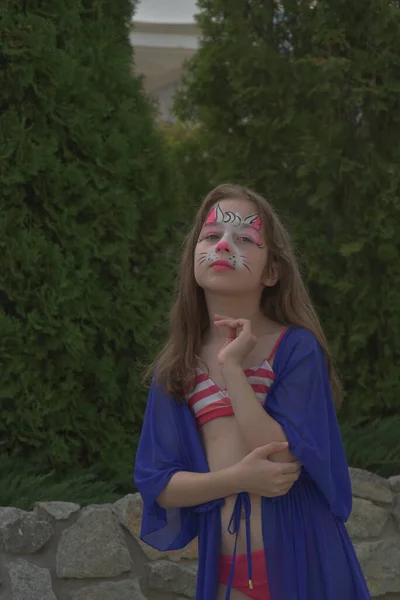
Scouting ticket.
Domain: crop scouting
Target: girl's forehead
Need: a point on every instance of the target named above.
(242, 207)
(234, 213)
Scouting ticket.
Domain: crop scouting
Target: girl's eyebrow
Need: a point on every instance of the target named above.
(211, 227)
(250, 228)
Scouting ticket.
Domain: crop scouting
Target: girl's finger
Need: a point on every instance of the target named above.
(245, 323)
(223, 318)
(226, 323)
(230, 335)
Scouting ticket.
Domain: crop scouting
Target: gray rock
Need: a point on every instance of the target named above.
(21, 532)
(394, 483)
(93, 547)
(380, 562)
(370, 486)
(29, 582)
(367, 519)
(178, 578)
(396, 510)
(120, 590)
(59, 511)
(129, 512)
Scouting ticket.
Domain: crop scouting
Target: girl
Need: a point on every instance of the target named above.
(240, 443)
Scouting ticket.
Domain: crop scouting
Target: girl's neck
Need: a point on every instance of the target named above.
(236, 308)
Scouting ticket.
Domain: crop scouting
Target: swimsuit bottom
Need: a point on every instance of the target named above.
(255, 588)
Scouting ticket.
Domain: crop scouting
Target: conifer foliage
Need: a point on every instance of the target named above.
(86, 216)
(301, 100)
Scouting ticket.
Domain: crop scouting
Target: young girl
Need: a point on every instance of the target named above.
(240, 443)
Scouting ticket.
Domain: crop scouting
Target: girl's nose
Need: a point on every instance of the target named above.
(223, 246)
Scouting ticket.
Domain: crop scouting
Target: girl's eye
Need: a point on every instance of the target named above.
(244, 238)
(212, 236)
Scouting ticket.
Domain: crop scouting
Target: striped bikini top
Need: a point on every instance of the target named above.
(207, 401)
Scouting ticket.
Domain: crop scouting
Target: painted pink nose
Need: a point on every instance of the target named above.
(223, 246)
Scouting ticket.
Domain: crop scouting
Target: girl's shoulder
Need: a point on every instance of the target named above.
(294, 335)
(295, 341)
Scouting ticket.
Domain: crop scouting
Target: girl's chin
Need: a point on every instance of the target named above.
(232, 287)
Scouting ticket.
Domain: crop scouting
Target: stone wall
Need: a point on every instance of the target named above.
(62, 552)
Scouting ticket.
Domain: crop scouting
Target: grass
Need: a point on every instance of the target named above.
(23, 482)
(374, 446)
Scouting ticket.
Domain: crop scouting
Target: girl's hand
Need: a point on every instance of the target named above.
(257, 474)
(239, 341)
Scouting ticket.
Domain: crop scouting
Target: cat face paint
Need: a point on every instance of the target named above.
(227, 236)
(217, 215)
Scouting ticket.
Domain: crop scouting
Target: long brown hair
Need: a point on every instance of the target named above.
(288, 302)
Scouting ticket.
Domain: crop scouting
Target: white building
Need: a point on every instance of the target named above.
(163, 36)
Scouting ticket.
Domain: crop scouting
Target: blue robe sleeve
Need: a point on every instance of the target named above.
(159, 456)
(301, 402)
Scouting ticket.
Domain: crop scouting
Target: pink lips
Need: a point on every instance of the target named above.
(222, 265)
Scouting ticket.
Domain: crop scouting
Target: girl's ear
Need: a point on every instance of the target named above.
(272, 277)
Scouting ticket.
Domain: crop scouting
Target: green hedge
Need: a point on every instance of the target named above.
(87, 213)
(92, 193)
(305, 107)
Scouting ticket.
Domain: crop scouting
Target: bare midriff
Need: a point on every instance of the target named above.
(224, 447)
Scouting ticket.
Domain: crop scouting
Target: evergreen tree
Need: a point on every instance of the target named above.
(301, 101)
(87, 214)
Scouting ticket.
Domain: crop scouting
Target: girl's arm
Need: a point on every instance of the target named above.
(257, 426)
(300, 406)
(191, 489)
(254, 474)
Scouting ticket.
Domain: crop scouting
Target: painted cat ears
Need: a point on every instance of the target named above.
(254, 221)
(217, 215)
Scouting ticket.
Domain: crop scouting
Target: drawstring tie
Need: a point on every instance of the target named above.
(242, 501)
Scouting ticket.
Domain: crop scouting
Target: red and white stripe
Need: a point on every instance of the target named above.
(207, 401)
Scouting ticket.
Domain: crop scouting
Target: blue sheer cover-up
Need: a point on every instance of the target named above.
(309, 554)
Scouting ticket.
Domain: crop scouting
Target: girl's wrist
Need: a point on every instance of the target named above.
(230, 366)
(231, 370)
(236, 478)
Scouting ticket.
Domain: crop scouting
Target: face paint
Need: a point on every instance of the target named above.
(217, 215)
(231, 234)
